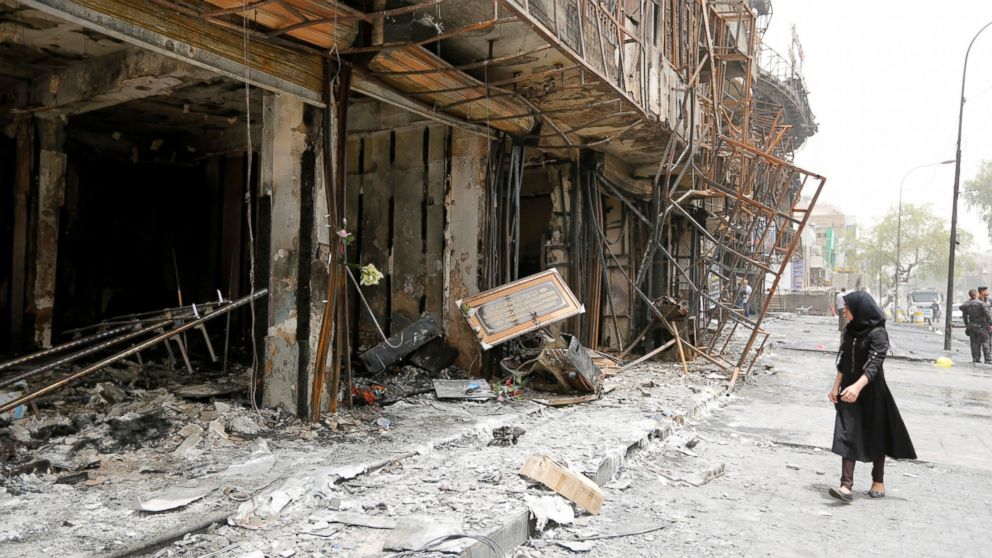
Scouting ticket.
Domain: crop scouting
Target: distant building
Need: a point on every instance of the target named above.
(836, 233)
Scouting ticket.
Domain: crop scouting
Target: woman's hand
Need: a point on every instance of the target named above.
(834, 393)
(850, 393)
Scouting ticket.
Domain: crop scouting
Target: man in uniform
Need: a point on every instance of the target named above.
(978, 325)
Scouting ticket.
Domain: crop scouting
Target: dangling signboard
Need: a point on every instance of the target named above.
(520, 307)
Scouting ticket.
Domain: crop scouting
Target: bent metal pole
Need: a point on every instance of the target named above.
(65, 346)
(124, 354)
(85, 352)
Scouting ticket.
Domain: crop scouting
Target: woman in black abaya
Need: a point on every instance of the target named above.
(868, 425)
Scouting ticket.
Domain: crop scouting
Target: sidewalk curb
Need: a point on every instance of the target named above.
(478, 430)
(518, 527)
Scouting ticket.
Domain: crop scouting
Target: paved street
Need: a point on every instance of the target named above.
(772, 439)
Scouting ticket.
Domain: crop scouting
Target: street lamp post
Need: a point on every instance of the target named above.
(895, 303)
(954, 204)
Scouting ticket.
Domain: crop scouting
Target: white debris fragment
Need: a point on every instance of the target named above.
(21, 434)
(172, 498)
(217, 428)
(186, 449)
(549, 508)
(259, 512)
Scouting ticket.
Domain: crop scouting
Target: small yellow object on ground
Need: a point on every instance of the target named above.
(943, 362)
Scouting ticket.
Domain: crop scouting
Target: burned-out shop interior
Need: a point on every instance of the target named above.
(223, 220)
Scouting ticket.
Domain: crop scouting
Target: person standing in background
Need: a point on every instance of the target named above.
(839, 308)
(977, 318)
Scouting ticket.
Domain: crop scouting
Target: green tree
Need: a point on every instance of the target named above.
(978, 194)
(923, 252)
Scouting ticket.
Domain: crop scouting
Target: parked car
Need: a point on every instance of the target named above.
(957, 319)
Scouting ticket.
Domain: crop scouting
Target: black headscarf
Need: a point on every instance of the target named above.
(866, 313)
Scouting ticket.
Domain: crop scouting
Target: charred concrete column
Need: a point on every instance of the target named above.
(463, 201)
(287, 174)
(51, 195)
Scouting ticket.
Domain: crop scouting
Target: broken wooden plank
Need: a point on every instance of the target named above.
(649, 355)
(389, 352)
(574, 486)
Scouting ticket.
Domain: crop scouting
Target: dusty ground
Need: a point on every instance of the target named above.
(772, 440)
(748, 477)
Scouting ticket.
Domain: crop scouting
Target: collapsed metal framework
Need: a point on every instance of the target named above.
(164, 326)
(733, 190)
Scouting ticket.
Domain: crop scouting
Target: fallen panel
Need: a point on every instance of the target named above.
(389, 352)
(520, 307)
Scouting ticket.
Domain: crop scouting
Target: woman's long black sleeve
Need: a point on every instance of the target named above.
(878, 347)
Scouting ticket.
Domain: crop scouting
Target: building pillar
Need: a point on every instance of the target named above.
(463, 201)
(23, 175)
(286, 165)
(51, 196)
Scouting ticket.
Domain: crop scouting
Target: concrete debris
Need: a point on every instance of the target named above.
(545, 509)
(186, 449)
(576, 546)
(172, 498)
(243, 425)
(263, 509)
(206, 391)
(20, 433)
(191, 429)
(414, 533)
(216, 428)
(506, 436)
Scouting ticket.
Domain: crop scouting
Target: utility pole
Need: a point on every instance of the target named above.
(954, 204)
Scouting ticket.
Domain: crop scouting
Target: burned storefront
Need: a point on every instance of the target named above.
(336, 175)
(230, 223)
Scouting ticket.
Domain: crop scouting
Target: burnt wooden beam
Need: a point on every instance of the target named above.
(197, 42)
(109, 80)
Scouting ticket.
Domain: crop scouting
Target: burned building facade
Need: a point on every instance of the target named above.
(163, 152)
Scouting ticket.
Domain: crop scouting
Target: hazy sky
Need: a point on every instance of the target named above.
(884, 79)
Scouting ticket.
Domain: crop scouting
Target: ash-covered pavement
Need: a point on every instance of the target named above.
(772, 441)
(686, 471)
